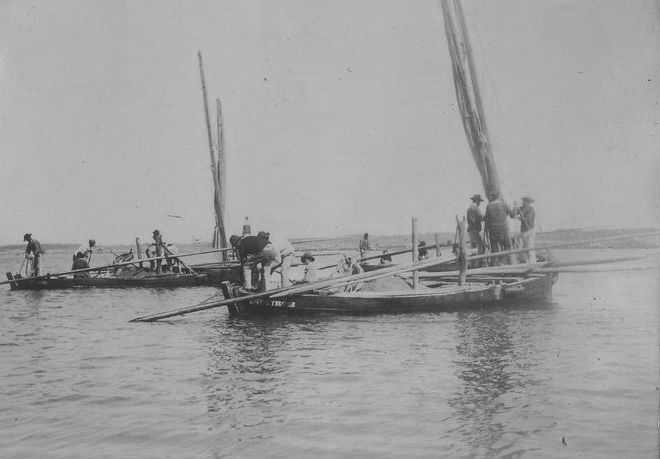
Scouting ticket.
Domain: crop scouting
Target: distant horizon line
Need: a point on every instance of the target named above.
(349, 236)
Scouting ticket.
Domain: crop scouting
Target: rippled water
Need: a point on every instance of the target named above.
(78, 380)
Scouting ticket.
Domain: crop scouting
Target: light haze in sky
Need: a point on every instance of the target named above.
(340, 116)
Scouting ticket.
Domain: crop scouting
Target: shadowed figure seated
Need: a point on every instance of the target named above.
(80, 262)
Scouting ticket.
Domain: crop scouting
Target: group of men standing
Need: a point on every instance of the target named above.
(496, 226)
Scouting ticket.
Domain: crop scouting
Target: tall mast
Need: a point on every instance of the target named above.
(469, 97)
(219, 236)
(221, 187)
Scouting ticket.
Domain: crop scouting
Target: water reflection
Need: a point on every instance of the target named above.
(493, 371)
(251, 362)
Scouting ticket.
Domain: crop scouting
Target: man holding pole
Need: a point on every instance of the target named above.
(34, 247)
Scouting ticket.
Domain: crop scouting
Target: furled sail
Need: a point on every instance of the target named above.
(469, 97)
(217, 168)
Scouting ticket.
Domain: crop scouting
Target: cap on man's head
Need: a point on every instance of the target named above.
(307, 256)
(156, 231)
(27, 236)
(92, 242)
(476, 198)
(528, 198)
(233, 239)
(366, 234)
(262, 234)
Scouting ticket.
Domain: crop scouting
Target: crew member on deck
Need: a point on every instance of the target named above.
(34, 247)
(475, 217)
(160, 250)
(80, 262)
(386, 257)
(253, 251)
(422, 251)
(497, 226)
(283, 256)
(365, 245)
(311, 274)
(86, 250)
(527, 215)
(172, 260)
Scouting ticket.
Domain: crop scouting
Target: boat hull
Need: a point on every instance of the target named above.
(447, 296)
(61, 283)
(437, 299)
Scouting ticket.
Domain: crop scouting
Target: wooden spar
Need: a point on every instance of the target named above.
(415, 252)
(399, 252)
(217, 193)
(221, 172)
(297, 290)
(114, 265)
(462, 250)
(469, 97)
(203, 306)
(138, 248)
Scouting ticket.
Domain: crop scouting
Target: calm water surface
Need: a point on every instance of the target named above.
(78, 380)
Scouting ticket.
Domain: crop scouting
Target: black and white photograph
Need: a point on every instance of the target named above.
(330, 229)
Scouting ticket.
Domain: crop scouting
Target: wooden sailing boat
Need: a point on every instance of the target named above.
(446, 292)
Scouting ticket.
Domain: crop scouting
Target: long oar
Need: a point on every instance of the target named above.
(205, 305)
(297, 290)
(114, 265)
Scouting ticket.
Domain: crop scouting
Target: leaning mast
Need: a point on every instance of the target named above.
(217, 167)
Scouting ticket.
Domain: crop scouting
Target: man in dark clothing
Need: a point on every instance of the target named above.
(497, 227)
(80, 262)
(475, 217)
(252, 251)
(422, 251)
(34, 247)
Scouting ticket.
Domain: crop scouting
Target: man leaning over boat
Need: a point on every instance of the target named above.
(33, 249)
(254, 252)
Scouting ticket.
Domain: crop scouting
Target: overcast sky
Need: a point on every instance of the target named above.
(340, 116)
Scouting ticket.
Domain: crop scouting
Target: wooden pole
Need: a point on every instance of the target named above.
(221, 172)
(139, 249)
(415, 253)
(462, 250)
(217, 193)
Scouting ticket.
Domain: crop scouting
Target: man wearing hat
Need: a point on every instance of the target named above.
(310, 268)
(34, 247)
(86, 250)
(527, 215)
(159, 244)
(475, 217)
(253, 251)
(497, 226)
